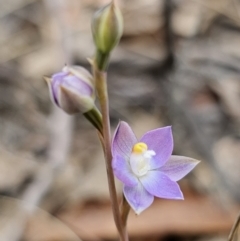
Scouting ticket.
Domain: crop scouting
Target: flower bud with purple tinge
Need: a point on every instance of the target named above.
(107, 27)
(72, 89)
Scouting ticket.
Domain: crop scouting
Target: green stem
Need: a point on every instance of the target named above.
(102, 60)
(95, 117)
(101, 86)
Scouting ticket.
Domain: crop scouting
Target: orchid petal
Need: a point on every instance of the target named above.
(77, 85)
(160, 185)
(161, 141)
(123, 172)
(56, 81)
(138, 198)
(72, 102)
(123, 140)
(178, 166)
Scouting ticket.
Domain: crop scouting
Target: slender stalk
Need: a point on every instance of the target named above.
(101, 86)
(234, 228)
(102, 60)
(95, 117)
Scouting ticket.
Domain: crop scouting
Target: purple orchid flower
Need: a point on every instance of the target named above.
(72, 89)
(146, 167)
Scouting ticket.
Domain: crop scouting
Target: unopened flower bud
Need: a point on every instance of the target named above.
(107, 27)
(72, 89)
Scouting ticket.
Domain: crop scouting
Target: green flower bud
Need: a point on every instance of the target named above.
(107, 27)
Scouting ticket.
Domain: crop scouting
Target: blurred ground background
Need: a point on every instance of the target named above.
(178, 64)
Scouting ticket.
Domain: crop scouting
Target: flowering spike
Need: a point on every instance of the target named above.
(107, 27)
(149, 169)
(72, 89)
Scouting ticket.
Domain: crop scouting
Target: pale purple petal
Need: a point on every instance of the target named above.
(57, 79)
(138, 198)
(178, 166)
(161, 141)
(123, 140)
(78, 85)
(123, 172)
(160, 185)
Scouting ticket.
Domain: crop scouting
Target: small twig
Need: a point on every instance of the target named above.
(234, 228)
